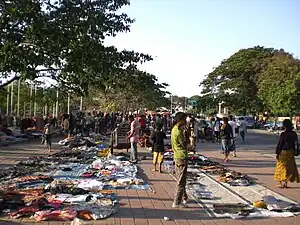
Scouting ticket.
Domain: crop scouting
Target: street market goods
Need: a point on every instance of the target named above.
(220, 189)
(76, 183)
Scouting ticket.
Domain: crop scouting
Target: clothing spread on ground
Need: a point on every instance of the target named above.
(77, 182)
(208, 181)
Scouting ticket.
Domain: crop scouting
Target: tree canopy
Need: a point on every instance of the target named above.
(254, 80)
(279, 84)
(64, 40)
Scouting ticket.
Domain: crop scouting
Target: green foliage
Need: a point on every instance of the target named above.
(64, 40)
(179, 101)
(279, 84)
(130, 91)
(207, 104)
(234, 80)
(255, 80)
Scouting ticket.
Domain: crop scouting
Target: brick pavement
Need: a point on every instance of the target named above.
(141, 207)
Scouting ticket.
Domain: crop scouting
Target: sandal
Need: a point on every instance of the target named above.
(280, 185)
(285, 185)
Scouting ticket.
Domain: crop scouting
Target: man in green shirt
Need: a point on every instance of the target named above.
(179, 147)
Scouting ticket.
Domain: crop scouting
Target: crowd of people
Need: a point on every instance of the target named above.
(185, 132)
(287, 148)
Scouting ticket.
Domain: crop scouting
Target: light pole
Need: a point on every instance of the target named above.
(30, 107)
(12, 98)
(69, 103)
(171, 104)
(7, 101)
(18, 103)
(35, 104)
(56, 106)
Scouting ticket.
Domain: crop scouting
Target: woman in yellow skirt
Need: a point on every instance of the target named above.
(286, 167)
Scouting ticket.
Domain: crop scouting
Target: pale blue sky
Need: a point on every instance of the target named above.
(190, 37)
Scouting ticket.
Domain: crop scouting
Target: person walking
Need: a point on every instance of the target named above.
(243, 128)
(134, 136)
(233, 125)
(287, 147)
(179, 147)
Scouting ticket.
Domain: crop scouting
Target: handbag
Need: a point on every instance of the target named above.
(297, 149)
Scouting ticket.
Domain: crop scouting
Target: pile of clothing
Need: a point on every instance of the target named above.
(235, 179)
(73, 184)
(77, 141)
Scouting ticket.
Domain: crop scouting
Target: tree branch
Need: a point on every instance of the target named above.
(9, 82)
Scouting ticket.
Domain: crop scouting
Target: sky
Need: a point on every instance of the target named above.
(188, 38)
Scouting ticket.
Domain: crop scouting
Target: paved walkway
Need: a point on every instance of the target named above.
(141, 207)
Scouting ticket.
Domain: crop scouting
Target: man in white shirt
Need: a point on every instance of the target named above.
(243, 128)
(233, 124)
(216, 126)
(188, 120)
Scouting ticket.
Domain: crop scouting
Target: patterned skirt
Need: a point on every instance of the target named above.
(286, 167)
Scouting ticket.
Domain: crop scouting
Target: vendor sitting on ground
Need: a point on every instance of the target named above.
(158, 148)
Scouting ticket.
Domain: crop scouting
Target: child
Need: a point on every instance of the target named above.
(158, 149)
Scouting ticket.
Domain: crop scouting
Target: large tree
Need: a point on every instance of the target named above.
(63, 40)
(279, 84)
(179, 102)
(206, 104)
(235, 79)
(130, 91)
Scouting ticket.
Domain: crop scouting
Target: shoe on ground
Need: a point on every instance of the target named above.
(181, 205)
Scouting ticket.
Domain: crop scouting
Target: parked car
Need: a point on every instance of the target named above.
(272, 126)
(250, 121)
